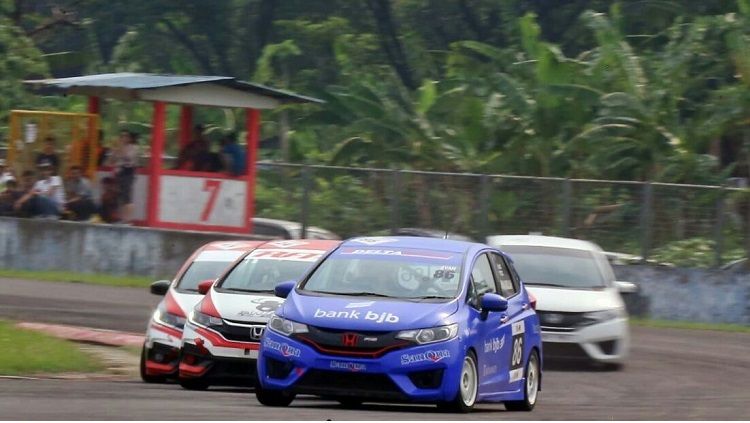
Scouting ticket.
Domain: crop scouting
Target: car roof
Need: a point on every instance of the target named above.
(542, 241)
(231, 245)
(287, 224)
(410, 242)
(300, 244)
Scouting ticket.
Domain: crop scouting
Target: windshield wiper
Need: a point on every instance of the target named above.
(245, 289)
(429, 297)
(546, 284)
(355, 294)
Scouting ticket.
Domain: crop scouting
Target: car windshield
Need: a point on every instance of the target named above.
(200, 271)
(397, 273)
(549, 266)
(262, 270)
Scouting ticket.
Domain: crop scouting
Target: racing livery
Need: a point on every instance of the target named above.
(161, 348)
(405, 319)
(221, 338)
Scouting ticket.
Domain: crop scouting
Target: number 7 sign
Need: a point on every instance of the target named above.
(212, 186)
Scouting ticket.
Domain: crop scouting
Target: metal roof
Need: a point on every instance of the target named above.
(129, 85)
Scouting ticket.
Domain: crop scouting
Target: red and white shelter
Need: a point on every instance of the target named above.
(179, 199)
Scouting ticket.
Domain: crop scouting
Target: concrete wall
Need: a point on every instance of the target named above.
(36, 244)
(32, 244)
(699, 295)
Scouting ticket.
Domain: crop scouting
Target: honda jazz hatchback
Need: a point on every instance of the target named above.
(405, 319)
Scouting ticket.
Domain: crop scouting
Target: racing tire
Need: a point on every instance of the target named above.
(532, 380)
(612, 367)
(468, 388)
(146, 377)
(273, 398)
(198, 384)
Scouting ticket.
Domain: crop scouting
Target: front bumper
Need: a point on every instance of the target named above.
(162, 350)
(206, 354)
(605, 342)
(426, 373)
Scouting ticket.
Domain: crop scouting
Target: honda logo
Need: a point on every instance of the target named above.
(349, 339)
(256, 332)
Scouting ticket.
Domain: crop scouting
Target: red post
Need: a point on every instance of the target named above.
(186, 123)
(252, 122)
(93, 105)
(157, 148)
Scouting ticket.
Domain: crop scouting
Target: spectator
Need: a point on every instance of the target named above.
(233, 155)
(125, 160)
(50, 186)
(5, 174)
(48, 155)
(32, 203)
(80, 197)
(194, 155)
(109, 209)
(8, 198)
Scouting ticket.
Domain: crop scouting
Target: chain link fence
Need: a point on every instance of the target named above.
(658, 221)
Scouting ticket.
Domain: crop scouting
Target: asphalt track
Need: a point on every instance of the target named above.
(672, 375)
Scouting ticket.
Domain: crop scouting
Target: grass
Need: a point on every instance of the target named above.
(680, 324)
(60, 276)
(28, 352)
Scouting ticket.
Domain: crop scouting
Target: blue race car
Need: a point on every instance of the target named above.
(405, 319)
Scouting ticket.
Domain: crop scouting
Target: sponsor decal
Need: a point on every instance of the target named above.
(287, 243)
(494, 345)
(278, 254)
(516, 357)
(285, 349)
(356, 315)
(230, 245)
(266, 304)
(373, 241)
(360, 304)
(430, 355)
(347, 365)
(489, 370)
(398, 253)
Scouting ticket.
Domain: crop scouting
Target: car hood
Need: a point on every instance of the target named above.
(186, 301)
(575, 300)
(365, 314)
(244, 307)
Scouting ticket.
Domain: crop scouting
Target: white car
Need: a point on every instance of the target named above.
(161, 348)
(222, 334)
(581, 312)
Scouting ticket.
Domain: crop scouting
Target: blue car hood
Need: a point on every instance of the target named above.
(365, 314)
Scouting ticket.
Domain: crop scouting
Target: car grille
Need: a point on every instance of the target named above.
(323, 382)
(240, 331)
(354, 344)
(552, 321)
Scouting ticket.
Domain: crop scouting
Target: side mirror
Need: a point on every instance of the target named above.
(626, 287)
(283, 289)
(160, 287)
(493, 302)
(204, 286)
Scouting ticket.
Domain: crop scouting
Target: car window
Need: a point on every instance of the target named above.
(200, 271)
(560, 267)
(481, 276)
(504, 279)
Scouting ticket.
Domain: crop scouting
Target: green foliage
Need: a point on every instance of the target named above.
(693, 252)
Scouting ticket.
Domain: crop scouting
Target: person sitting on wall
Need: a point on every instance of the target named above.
(50, 186)
(48, 155)
(109, 207)
(32, 203)
(5, 174)
(80, 204)
(232, 155)
(8, 198)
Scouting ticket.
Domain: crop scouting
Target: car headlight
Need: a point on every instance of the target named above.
(603, 315)
(163, 317)
(286, 327)
(203, 319)
(430, 335)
